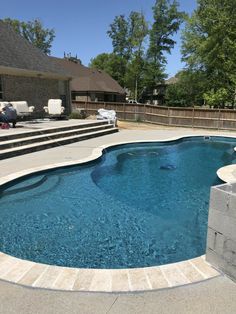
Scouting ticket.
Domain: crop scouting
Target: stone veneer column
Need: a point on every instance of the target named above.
(221, 237)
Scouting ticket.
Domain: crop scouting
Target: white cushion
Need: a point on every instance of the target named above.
(54, 107)
(109, 115)
(22, 107)
(3, 104)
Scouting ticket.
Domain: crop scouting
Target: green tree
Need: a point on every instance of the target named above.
(188, 90)
(134, 80)
(216, 98)
(128, 37)
(209, 44)
(112, 64)
(118, 32)
(34, 32)
(167, 20)
(138, 30)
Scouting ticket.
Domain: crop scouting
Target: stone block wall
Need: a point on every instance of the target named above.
(221, 237)
(36, 91)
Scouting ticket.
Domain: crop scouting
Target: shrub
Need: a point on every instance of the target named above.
(78, 115)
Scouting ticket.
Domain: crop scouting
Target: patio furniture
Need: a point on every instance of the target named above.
(109, 115)
(22, 108)
(3, 104)
(54, 108)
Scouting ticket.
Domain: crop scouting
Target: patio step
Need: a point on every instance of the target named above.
(50, 136)
(31, 133)
(33, 147)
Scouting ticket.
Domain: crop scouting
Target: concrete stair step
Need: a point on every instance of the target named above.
(21, 150)
(31, 133)
(49, 136)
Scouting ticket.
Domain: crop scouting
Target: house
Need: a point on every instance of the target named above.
(156, 96)
(90, 84)
(26, 73)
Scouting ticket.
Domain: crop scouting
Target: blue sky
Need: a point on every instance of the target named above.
(81, 25)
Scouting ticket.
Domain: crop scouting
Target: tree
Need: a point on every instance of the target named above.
(188, 89)
(209, 44)
(34, 32)
(128, 37)
(216, 98)
(167, 20)
(112, 64)
(118, 32)
(138, 30)
(134, 76)
(140, 68)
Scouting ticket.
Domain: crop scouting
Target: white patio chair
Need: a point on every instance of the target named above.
(3, 104)
(22, 108)
(54, 108)
(109, 115)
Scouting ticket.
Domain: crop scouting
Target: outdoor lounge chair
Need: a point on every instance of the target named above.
(22, 108)
(3, 104)
(54, 108)
(109, 115)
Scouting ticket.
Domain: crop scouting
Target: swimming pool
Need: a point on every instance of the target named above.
(139, 205)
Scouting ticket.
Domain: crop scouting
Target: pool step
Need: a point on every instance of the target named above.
(50, 136)
(50, 143)
(9, 137)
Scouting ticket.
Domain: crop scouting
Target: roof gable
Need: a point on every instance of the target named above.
(16, 52)
(87, 79)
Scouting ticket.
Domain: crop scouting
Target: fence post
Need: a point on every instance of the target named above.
(144, 109)
(219, 119)
(168, 115)
(193, 112)
(124, 117)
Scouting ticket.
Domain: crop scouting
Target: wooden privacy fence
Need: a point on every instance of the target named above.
(221, 119)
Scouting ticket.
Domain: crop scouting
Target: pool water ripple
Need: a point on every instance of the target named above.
(123, 211)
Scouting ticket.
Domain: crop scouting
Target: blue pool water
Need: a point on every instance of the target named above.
(138, 205)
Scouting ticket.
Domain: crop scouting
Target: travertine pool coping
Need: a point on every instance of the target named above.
(227, 173)
(101, 280)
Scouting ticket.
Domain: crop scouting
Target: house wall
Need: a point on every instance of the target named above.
(36, 91)
(95, 96)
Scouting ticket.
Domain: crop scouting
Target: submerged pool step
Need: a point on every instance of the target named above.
(30, 148)
(50, 136)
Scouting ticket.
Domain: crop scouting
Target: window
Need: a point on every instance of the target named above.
(1, 89)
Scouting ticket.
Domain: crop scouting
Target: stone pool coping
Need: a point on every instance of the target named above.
(227, 173)
(38, 275)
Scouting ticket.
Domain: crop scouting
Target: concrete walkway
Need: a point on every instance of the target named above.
(85, 148)
(217, 295)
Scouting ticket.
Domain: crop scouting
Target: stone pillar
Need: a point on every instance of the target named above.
(221, 236)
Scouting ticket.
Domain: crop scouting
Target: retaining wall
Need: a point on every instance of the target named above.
(221, 237)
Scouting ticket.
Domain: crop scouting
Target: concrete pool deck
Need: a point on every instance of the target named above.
(81, 150)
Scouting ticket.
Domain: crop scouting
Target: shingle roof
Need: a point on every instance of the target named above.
(16, 52)
(87, 79)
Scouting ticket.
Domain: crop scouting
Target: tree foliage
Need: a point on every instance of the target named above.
(118, 32)
(34, 32)
(167, 20)
(112, 64)
(209, 45)
(141, 67)
(188, 90)
(126, 61)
